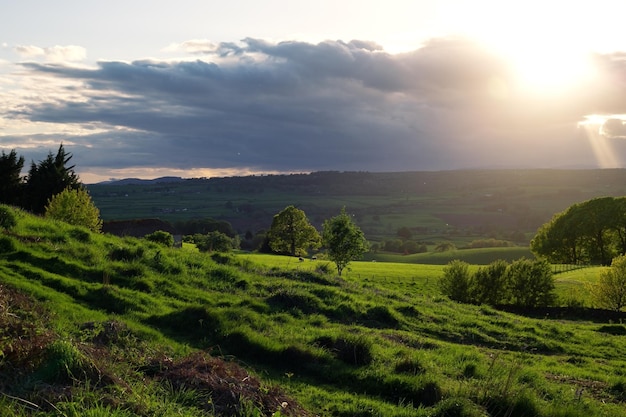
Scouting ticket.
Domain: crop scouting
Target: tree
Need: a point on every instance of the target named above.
(292, 233)
(592, 231)
(213, 242)
(456, 280)
(50, 177)
(610, 290)
(11, 181)
(343, 240)
(444, 247)
(74, 206)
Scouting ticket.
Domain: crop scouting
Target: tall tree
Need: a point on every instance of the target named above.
(11, 181)
(292, 233)
(591, 231)
(48, 178)
(344, 240)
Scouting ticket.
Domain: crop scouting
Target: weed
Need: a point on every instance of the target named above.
(62, 362)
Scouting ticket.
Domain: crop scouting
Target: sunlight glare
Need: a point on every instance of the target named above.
(600, 144)
(547, 44)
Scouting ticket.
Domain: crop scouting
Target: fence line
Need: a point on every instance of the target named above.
(560, 268)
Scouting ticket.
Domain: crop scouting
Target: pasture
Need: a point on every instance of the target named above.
(125, 327)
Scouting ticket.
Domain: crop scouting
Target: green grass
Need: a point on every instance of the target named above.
(124, 327)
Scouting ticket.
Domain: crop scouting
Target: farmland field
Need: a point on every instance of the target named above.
(457, 206)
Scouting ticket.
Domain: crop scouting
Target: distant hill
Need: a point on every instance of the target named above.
(136, 181)
(436, 206)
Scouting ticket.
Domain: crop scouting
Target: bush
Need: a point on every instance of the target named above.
(531, 283)
(7, 218)
(455, 282)
(610, 290)
(74, 206)
(489, 284)
(161, 237)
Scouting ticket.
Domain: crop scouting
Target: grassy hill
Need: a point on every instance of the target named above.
(93, 325)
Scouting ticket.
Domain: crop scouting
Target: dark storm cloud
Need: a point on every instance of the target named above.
(296, 106)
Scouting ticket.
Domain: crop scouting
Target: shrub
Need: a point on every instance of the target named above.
(213, 241)
(161, 237)
(455, 282)
(610, 290)
(531, 283)
(7, 218)
(74, 206)
(489, 284)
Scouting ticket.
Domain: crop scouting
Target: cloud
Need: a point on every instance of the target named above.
(614, 128)
(297, 106)
(55, 53)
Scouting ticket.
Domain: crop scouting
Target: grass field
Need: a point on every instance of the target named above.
(124, 327)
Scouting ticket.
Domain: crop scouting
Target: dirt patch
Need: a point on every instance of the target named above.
(226, 387)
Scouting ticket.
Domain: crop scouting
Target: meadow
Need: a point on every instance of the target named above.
(95, 325)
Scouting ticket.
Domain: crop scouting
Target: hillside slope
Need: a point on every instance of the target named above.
(96, 325)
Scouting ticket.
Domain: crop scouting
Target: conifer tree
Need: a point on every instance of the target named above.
(48, 178)
(11, 181)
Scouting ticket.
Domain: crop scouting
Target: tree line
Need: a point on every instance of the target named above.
(50, 188)
(44, 179)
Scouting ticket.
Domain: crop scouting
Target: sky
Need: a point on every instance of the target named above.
(146, 89)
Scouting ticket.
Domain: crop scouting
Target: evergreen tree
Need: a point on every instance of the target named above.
(11, 181)
(48, 178)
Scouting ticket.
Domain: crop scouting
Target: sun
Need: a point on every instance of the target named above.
(546, 64)
(548, 45)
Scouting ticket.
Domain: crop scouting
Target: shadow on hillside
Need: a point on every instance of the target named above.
(569, 313)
